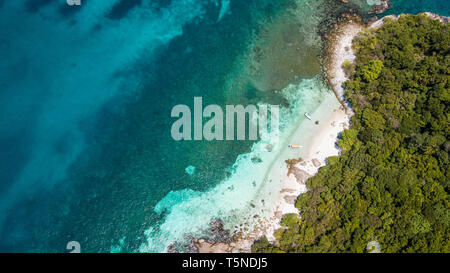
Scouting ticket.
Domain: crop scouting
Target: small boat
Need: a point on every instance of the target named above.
(307, 116)
(295, 146)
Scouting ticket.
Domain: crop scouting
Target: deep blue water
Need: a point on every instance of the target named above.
(86, 94)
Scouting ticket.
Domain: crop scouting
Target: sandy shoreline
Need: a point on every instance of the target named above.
(313, 156)
(339, 51)
(323, 145)
(323, 137)
(304, 163)
(333, 119)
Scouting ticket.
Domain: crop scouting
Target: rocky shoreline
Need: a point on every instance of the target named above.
(338, 51)
(380, 8)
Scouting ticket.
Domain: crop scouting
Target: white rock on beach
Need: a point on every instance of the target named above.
(316, 162)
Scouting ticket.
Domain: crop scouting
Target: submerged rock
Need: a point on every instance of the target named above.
(190, 170)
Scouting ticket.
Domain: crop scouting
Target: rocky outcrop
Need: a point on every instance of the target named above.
(380, 22)
(215, 236)
(380, 8)
(316, 162)
(443, 19)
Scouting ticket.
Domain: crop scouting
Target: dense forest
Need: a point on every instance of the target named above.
(390, 184)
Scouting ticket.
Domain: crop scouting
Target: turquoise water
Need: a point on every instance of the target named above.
(441, 7)
(85, 121)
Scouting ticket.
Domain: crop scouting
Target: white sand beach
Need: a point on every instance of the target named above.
(323, 145)
(322, 139)
(318, 141)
